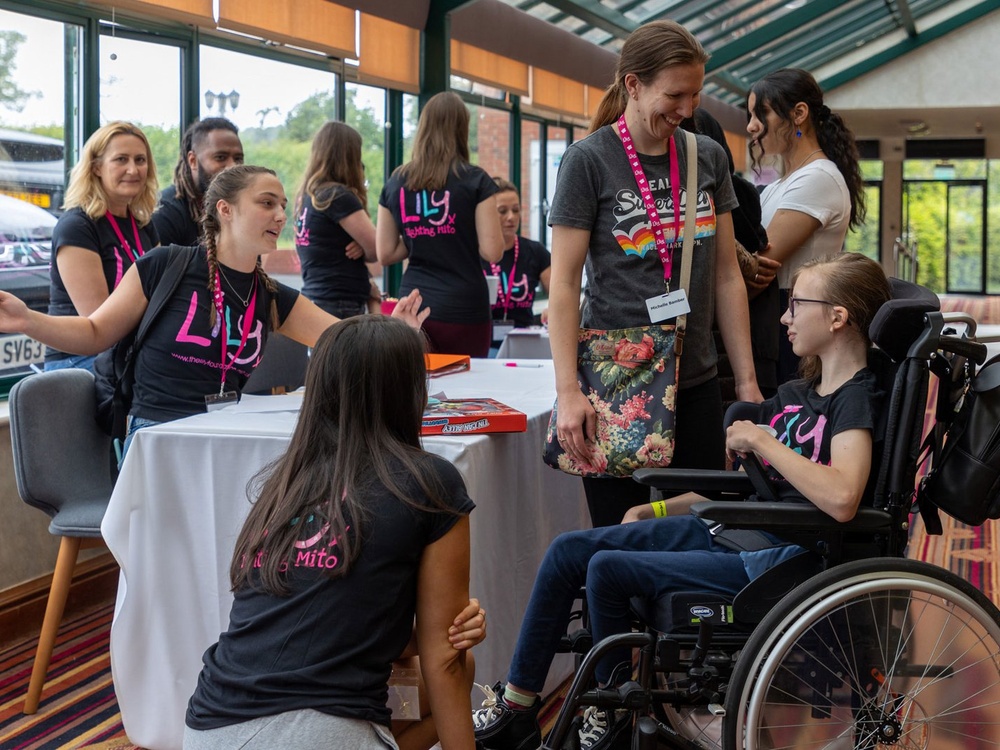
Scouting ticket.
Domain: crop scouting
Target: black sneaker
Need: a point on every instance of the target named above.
(601, 727)
(500, 727)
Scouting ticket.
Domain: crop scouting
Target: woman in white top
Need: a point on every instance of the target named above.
(820, 195)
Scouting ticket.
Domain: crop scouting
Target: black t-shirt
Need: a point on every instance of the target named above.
(517, 292)
(173, 221)
(330, 644)
(328, 275)
(180, 360)
(76, 229)
(439, 230)
(806, 421)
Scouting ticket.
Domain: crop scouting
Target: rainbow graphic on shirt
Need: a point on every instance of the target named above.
(634, 233)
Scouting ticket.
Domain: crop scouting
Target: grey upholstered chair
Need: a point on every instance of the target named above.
(62, 465)
(282, 367)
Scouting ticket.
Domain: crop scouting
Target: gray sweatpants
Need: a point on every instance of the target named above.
(305, 728)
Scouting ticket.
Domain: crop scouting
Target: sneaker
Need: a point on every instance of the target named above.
(500, 727)
(601, 727)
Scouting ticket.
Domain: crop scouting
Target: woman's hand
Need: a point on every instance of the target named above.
(354, 251)
(576, 425)
(767, 270)
(469, 628)
(408, 310)
(13, 313)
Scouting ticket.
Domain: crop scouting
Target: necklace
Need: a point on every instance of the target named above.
(244, 300)
(801, 163)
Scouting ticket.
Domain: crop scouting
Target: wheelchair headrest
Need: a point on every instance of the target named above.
(899, 322)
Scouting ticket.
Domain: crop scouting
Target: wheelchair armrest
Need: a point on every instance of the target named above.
(695, 480)
(787, 517)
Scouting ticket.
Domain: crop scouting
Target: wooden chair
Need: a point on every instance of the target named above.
(62, 465)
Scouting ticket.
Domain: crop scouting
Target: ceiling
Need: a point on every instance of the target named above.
(838, 40)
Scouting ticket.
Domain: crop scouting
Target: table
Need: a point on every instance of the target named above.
(181, 498)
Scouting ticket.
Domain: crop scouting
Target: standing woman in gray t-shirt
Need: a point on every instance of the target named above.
(598, 219)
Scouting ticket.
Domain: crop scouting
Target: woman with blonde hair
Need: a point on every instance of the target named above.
(602, 218)
(439, 211)
(111, 196)
(334, 236)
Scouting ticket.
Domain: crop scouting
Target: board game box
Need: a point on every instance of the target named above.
(468, 416)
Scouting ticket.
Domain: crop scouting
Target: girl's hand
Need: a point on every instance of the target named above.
(13, 314)
(469, 628)
(576, 425)
(638, 513)
(744, 437)
(408, 310)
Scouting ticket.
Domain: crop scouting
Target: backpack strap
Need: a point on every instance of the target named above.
(180, 259)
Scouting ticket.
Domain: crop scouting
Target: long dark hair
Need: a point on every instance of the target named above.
(647, 50)
(441, 144)
(854, 282)
(781, 91)
(334, 165)
(184, 182)
(359, 428)
(227, 186)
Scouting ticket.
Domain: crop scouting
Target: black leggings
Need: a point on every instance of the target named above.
(700, 444)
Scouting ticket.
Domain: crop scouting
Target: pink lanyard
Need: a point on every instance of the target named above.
(497, 271)
(665, 252)
(121, 238)
(224, 333)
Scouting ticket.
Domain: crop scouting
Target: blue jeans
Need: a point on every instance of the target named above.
(134, 425)
(74, 361)
(649, 559)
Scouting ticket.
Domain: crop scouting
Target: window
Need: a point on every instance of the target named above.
(489, 139)
(366, 114)
(276, 122)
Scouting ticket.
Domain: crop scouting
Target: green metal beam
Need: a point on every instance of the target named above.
(910, 44)
(906, 18)
(771, 32)
(596, 14)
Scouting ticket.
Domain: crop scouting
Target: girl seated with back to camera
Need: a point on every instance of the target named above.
(825, 425)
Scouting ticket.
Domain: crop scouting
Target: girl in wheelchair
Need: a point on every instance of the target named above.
(820, 452)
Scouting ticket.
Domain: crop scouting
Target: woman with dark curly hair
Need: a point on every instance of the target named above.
(821, 193)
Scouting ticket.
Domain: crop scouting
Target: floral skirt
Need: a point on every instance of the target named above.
(630, 377)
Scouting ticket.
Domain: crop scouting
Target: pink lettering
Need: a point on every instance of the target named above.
(184, 335)
(407, 218)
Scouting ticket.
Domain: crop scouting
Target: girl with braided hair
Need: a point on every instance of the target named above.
(209, 336)
(820, 195)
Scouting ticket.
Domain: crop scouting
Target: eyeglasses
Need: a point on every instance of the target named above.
(795, 301)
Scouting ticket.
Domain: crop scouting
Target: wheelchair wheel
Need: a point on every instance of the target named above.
(885, 653)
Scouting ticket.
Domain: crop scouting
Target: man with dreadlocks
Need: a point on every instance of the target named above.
(208, 147)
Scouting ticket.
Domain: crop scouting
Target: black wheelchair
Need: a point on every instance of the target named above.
(874, 651)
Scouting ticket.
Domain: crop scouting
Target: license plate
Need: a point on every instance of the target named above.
(18, 352)
(42, 200)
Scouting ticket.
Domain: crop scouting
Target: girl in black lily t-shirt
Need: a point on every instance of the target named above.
(356, 533)
(438, 210)
(224, 295)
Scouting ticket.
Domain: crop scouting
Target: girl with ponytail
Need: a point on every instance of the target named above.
(601, 219)
(820, 195)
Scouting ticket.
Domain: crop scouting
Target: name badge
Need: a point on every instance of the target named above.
(216, 401)
(667, 306)
(500, 330)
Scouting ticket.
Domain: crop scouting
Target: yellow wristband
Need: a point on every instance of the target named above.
(659, 509)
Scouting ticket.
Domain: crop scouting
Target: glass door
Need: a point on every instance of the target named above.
(948, 221)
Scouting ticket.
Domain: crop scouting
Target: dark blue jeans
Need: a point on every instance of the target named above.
(649, 558)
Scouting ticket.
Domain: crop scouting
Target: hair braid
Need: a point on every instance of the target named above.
(210, 232)
(272, 288)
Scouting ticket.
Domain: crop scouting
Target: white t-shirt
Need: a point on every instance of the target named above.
(818, 190)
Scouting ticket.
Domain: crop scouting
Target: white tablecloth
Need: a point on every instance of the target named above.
(181, 499)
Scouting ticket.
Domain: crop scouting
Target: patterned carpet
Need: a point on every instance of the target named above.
(79, 709)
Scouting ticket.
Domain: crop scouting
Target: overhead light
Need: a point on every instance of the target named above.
(915, 127)
(795, 4)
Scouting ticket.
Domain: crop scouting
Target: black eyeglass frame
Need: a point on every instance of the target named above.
(793, 301)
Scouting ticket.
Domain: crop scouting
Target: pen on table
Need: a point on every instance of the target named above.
(518, 364)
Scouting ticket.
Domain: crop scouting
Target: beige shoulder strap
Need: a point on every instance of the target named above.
(691, 214)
